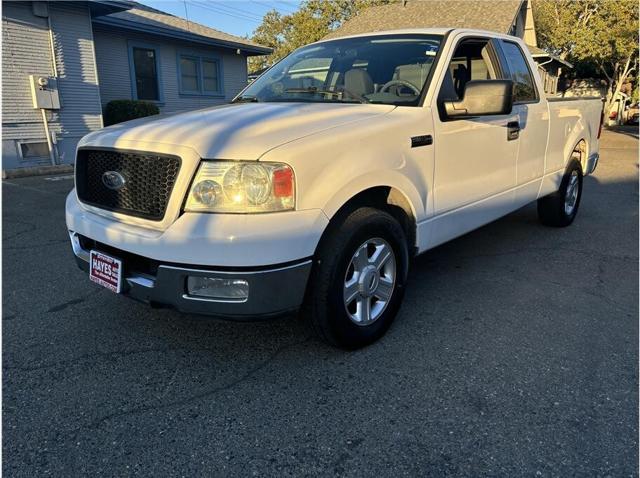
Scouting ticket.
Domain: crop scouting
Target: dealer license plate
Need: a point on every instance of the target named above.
(106, 271)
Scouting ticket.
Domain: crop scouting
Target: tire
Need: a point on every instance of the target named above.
(560, 208)
(349, 262)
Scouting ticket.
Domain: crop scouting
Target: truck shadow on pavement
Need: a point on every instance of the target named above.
(490, 279)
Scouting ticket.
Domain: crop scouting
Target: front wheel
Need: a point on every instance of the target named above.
(358, 279)
(560, 208)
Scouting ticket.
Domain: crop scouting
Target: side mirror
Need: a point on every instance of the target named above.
(482, 97)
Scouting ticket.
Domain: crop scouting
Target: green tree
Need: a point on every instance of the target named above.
(603, 33)
(311, 22)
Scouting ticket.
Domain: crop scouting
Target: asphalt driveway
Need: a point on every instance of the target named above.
(515, 353)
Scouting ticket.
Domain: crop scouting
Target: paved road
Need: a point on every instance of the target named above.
(515, 353)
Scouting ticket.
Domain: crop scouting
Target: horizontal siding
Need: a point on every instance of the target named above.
(81, 110)
(112, 56)
(25, 51)
(113, 65)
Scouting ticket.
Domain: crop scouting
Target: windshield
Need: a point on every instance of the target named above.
(385, 69)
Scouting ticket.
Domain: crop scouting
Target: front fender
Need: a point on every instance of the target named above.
(370, 180)
(333, 166)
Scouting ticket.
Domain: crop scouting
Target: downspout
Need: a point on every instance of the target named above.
(47, 132)
(544, 83)
(544, 63)
(53, 50)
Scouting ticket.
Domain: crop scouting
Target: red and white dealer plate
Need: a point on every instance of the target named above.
(106, 271)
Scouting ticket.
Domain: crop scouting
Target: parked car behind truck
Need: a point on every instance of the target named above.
(326, 176)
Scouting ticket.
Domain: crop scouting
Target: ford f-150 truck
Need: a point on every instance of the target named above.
(316, 186)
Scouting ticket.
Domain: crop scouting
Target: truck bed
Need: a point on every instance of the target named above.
(569, 120)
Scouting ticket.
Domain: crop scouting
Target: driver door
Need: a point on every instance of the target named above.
(475, 165)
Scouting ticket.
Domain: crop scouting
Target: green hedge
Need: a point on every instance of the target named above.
(118, 111)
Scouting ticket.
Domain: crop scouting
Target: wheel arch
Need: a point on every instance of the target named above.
(579, 153)
(386, 197)
(404, 191)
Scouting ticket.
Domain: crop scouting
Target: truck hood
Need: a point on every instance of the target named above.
(236, 131)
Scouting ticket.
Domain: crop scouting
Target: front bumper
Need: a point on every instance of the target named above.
(216, 240)
(272, 291)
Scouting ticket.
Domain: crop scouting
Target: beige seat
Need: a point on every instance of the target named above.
(358, 81)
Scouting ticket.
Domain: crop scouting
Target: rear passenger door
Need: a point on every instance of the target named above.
(533, 120)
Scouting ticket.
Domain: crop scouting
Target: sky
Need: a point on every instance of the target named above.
(238, 17)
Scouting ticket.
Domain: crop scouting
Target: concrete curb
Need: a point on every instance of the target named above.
(37, 171)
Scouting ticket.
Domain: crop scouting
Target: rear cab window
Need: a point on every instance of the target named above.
(524, 89)
(309, 72)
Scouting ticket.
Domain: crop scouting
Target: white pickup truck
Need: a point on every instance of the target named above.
(325, 176)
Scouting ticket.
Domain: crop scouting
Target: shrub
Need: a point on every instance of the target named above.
(118, 111)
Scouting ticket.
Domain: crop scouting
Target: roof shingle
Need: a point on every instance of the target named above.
(495, 16)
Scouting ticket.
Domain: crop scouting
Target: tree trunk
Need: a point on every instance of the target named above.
(610, 103)
(618, 79)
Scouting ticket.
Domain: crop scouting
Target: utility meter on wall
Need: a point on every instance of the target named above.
(44, 92)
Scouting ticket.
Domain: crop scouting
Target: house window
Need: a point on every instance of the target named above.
(199, 76)
(189, 75)
(210, 76)
(145, 72)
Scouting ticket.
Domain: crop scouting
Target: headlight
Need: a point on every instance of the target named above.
(239, 187)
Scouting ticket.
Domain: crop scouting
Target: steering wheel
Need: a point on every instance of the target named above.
(391, 83)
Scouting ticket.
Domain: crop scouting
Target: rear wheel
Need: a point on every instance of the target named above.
(560, 208)
(358, 279)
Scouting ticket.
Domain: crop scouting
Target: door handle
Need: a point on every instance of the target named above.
(513, 130)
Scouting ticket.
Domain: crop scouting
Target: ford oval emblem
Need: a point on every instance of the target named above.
(113, 180)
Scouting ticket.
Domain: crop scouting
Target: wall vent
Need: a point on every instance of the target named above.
(33, 150)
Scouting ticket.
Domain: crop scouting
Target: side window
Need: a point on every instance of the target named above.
(523, 86)
(470, 61)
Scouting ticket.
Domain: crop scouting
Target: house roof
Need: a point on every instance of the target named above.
(143, 18)
(537, 51)
(538, 54)
(496, 16)
(105, 7)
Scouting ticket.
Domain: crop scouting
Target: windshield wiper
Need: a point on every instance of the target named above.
(313, 90)
(246, 99)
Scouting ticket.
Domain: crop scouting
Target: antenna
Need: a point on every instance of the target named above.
(186, 14)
